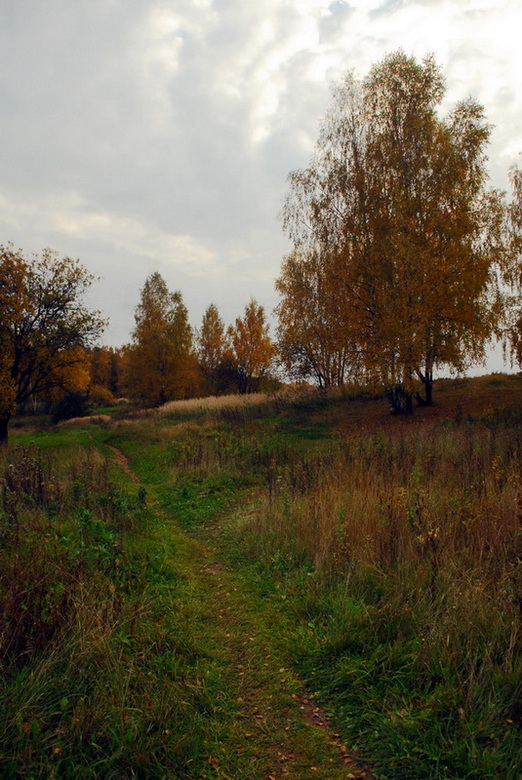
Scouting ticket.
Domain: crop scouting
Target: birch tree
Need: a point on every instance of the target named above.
(251, 349)
(396, 201)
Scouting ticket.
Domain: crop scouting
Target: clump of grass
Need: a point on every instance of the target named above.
(61, 548)
(200, 406)
(233, 407)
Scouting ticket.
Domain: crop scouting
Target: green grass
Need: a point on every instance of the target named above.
(173, 624)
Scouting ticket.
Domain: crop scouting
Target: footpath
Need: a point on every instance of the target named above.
(263, 724)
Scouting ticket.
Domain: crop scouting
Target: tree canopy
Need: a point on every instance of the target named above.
(250, 346)
(311, 336)
(44, 326)
(161, 357)
(395, 205)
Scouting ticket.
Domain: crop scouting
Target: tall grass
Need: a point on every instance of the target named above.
(395, 549)
(235, 407)
(403, 549)
(398, 551)
(95, 680)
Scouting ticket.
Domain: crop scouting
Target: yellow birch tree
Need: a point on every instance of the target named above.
(251, 349)
(396, 202)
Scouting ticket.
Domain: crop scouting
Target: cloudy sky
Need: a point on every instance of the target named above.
(143, 135)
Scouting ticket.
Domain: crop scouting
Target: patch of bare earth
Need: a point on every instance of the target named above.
(123, 462)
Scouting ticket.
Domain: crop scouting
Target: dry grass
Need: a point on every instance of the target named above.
(429, 521)
(213, 403)
(287, 396)
(92, 419)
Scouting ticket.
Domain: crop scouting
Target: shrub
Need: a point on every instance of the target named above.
(100, 396)
(73, 404)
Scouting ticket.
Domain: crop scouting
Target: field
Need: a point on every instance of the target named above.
(291, 586)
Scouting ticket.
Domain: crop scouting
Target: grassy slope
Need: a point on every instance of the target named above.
(210, 680)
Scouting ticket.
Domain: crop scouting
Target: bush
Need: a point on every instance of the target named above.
(101, 396)
(74, 404)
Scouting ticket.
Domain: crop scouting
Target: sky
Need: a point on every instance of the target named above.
(158, 135)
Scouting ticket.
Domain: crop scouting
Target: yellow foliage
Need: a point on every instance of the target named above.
(72, 373)
(44, 328)
(161, 361)
(251, 348)
(406, 237)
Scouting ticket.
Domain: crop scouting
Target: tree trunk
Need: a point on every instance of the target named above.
(401, 402)
(427, 381)
(4, 430)
(428, 390)
(428, 386)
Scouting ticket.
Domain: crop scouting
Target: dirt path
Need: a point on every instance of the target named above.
(123, 463)
(279, 720)
(275, 730)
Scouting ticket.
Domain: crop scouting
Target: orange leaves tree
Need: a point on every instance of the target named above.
(251, 349)
(311, 336)
(44, 326)
(395, 202)
(161, 359)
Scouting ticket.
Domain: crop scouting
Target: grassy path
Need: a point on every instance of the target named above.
(260, 722)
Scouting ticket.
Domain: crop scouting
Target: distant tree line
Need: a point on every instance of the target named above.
(49, 356)
(168, 359)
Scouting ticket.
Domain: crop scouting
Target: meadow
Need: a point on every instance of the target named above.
(293, 585)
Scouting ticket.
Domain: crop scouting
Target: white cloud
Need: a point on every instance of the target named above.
(77, 220)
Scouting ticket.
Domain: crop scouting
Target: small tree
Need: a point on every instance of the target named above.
(72, 404)
(251, 348)
(161, 359)
(311, 339)
(44, 326)
(211, 346)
